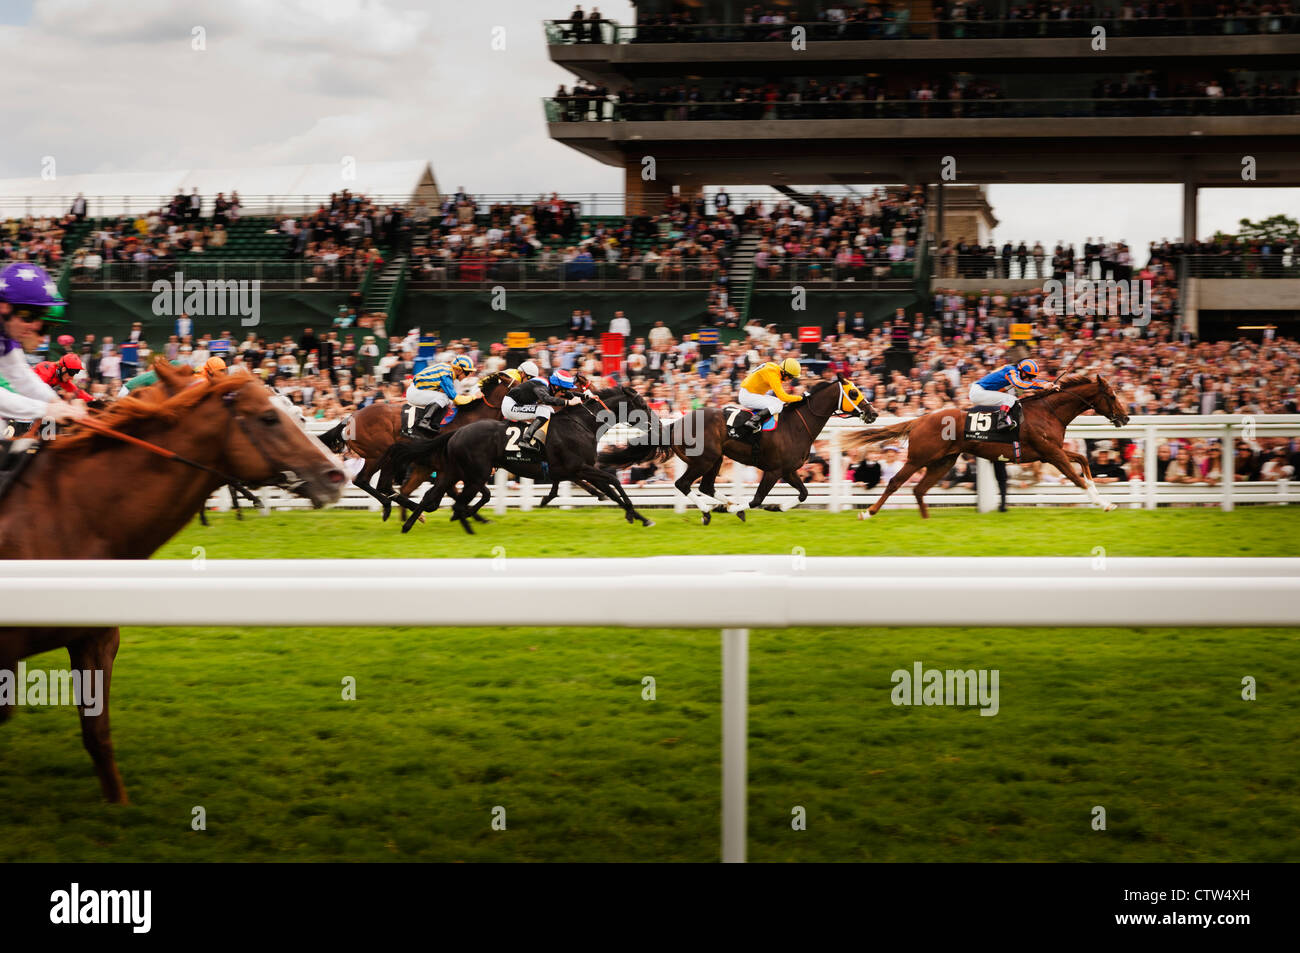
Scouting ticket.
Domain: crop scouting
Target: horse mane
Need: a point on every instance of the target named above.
(131, 411)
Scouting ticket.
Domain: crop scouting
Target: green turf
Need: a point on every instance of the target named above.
(1249, 531)
(551, 724)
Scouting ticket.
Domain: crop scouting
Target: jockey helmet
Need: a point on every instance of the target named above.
(563, 378)
(530, 370)
(214, 366)
(1028, 368)
(513, 374)
(70, 363)
(27, 285)
(791, 367)
(463, 362)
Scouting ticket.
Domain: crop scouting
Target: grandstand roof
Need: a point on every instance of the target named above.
(262, 189)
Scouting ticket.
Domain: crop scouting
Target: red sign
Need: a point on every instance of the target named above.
(611, 354)
(810, 335)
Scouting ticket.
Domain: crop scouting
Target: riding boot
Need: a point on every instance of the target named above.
(1002, 418)
(529, 439)
(426, 428)
(760, 418)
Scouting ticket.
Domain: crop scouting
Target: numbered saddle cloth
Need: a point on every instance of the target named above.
(518, 452)
(979, 426)
(738, 422)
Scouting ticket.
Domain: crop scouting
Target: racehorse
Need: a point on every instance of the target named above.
(213, 433)
(779, 452)
(371, 431)
(472, 452)
(935, 440)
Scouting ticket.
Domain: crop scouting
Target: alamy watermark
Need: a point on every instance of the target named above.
(1088, 298)
(83, 688)
(208, 299)
(932, 686)
(638, 428)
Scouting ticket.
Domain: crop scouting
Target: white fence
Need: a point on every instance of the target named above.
(728, 592)
(839, 494)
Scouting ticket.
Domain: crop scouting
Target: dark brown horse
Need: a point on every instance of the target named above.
(935, 440)
(227, 430)
(371, 431)
(700, 440)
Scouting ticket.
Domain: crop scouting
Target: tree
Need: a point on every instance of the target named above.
(1275, 230)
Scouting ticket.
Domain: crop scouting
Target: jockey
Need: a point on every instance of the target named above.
(26, 296)
(213, 368)
(436, 386)
(994, 390)
(536, 399)
(763, 391)
(59, 374)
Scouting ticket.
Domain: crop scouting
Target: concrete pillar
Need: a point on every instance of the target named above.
(638, 193)
(1190, 190)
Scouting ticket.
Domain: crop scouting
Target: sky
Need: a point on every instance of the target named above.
(116, 87)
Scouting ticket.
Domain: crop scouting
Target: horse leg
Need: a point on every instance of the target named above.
(431, 500)
(765, 485)
(695, 468)
(461, 510)
(483, 497)
(551, 494)
(420, 472)
(795, 481)
(598, 477)
(710, 492)
(92, 654)
(934, 472)
(1064, 461)
(362, 482)
(901, 477)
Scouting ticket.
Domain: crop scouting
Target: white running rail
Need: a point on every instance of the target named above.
(732, 593)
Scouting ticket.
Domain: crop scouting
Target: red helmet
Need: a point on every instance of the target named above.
(70, 363)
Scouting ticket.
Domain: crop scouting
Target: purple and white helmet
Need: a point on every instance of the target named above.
(30, 285)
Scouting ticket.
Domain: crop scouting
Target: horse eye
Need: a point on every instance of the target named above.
(270, 417)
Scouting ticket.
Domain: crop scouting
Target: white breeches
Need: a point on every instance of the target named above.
(752, 401)
(990, 398)
(423, 398)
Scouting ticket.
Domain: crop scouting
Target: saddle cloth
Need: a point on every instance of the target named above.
(738, 419)
(979, 426)
(516, 452)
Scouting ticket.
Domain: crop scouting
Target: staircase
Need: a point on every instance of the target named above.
(384, 291)
(740, 274)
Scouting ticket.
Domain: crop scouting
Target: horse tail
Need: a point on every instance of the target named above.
(880, 434)
(406, 453)
(333, 438)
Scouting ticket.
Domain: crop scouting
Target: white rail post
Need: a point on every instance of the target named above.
(735, 710)
(566, 495)
(837, 472)
(1227, 466)
(525, 494)
(499, 491)
(1149, 463)
(986, 486)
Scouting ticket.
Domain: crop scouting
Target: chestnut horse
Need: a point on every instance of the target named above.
(935, 440)
(371, 431)
(700, 439)
(227, 431)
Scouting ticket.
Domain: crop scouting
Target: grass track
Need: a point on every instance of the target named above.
(550, 723)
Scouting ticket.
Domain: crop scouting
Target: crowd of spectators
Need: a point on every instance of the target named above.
(973, 19)
(935, 97)
(685, 239)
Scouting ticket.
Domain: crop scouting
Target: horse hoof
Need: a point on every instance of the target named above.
(741, 514)
(705, 518)
(647, 523)
(772, 508)
(864, 514)
(421, 517)
(1109, 506)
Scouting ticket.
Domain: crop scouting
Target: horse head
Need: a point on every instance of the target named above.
(854, 401)
(267, 447)
(1108, 403)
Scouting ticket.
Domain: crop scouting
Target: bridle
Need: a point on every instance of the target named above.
(1089, 404)
(839, 404)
